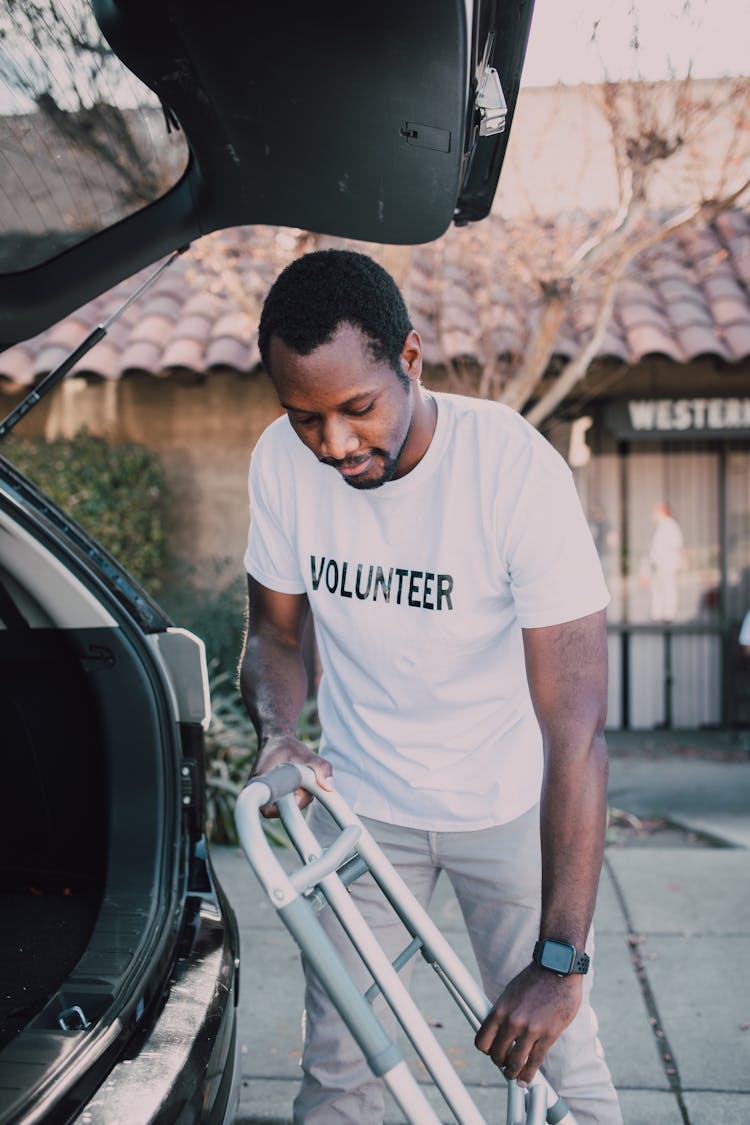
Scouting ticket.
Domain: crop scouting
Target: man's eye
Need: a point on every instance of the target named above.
(306, 421)
(363, 410)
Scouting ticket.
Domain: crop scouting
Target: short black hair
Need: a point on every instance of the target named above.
(319, 291)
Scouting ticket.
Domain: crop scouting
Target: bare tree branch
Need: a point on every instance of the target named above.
(576, 368)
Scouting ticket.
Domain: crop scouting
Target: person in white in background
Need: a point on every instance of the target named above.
(665, 559)
(744, 638)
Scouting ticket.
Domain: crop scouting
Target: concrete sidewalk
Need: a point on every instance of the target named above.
(672, 948)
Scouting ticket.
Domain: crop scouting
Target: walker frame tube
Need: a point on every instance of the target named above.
(320, 869)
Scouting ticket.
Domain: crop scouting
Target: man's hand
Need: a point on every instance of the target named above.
(282, 749)
(532, 1012)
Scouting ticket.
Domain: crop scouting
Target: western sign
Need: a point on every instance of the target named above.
(679, 417)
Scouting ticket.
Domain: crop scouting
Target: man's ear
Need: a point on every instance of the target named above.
(411, 356)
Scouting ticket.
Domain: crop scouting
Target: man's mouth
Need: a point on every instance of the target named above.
(354, 468)
(351, 466)
(369, 470)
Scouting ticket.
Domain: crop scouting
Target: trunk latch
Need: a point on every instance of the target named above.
(491, 104)
(73, 1019)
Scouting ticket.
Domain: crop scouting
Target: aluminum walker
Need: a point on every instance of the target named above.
(322, 879)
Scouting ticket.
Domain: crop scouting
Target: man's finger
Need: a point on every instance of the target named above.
(515, 1057)
(495, 1038)
(485, 1037)
(323, 771)
(535, 1060)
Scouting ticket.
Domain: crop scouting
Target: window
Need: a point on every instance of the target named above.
(82, 142)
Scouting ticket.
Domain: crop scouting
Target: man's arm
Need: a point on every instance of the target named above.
(273, 682)
(567, 672)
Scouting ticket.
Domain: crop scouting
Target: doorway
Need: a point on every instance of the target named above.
(671, 521)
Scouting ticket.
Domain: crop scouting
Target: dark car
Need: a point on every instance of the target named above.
(118, 951)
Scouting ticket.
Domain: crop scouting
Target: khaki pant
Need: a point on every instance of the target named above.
(496, 875)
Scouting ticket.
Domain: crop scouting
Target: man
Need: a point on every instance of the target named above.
(665, 559)
(459, 612)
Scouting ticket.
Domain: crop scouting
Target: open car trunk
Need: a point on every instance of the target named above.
(53, 834)
(93, 864)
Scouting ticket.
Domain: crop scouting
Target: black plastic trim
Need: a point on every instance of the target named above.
(90, 561)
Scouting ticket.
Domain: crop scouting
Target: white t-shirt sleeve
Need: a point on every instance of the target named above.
(555, 572)
(745, 630)
(270, 557)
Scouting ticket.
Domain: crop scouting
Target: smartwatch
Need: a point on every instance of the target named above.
(560, 957)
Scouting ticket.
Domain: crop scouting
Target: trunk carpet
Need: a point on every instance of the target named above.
(43, 934)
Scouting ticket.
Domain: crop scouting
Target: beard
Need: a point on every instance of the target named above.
(388, 470)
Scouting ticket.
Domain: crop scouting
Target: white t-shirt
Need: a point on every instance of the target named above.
(744, 638)
(419, 590)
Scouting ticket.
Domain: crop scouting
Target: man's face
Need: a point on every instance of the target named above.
(350, 409)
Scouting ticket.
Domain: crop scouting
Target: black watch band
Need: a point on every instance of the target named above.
(560, 957)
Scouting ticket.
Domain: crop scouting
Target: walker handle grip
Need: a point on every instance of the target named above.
(280, 781)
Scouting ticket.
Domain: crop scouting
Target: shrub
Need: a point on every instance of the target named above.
(231, 750)
(116, 492)
(216, 614)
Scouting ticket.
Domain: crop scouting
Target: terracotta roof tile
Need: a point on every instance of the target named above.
(195, 326)
(737, 337)
(165, 304)
(679, 289)
(236, 324)
(722, 284)
(649, 339)
(733, 224)
(730, 310)
(643, 312)
(228, 351)
(203, 304)
(184, 352)
(119, 334)
(741, 261)
(504, 343)
(69, 333)
(688, 297)
(154, 329)
(48, 358)
(458, 344)
(613, 345)
(566, 342)
(697, 340)
(691, 310)
(104, 360)
(16, 368)
(141, 355)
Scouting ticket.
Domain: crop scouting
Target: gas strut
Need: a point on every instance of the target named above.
(54, 377)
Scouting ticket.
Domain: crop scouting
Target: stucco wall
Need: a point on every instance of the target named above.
(204, 432)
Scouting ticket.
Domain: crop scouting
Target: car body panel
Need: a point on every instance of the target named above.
(349, 120)
(115, 740)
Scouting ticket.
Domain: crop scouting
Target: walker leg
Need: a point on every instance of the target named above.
(401, 1084)
(516, 1104)
(537, 1106)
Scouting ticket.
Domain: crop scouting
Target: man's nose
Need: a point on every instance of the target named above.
(338, 439)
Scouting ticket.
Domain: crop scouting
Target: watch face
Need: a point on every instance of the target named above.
(557, 956)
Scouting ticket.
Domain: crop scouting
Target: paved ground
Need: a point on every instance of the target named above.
(673, 929)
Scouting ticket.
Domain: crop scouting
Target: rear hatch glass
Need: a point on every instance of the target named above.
(83, 143)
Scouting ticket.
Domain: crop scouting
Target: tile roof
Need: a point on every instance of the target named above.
(467, 294)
